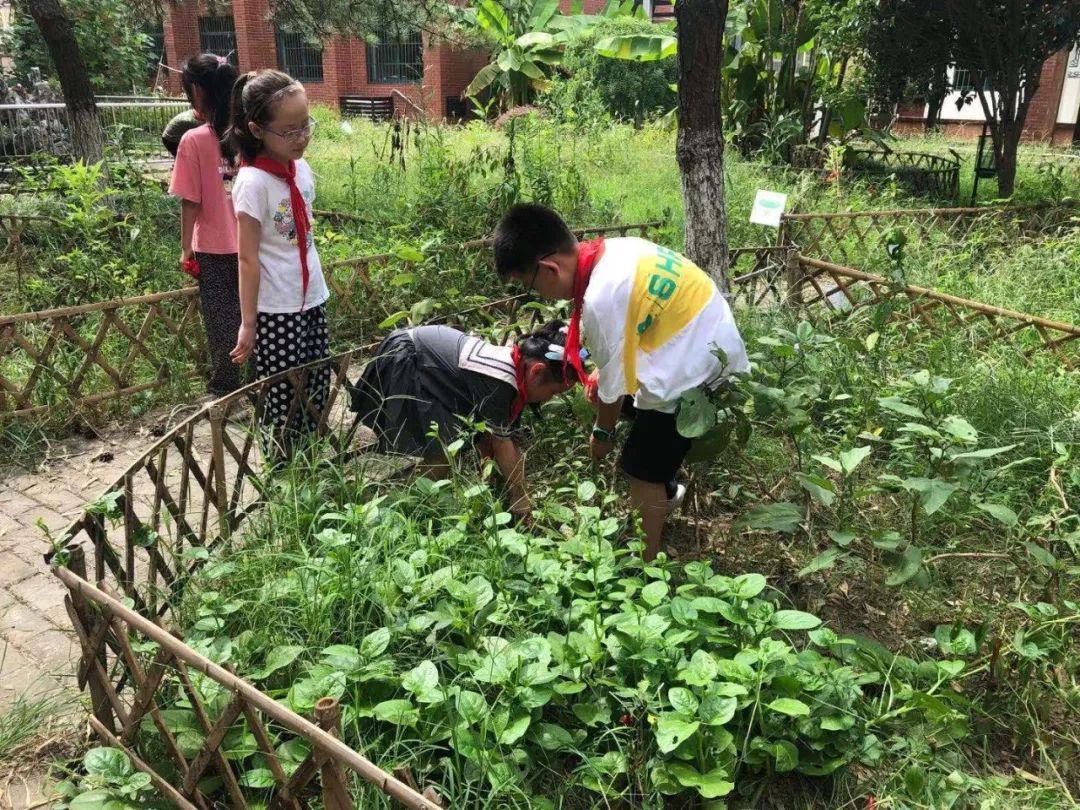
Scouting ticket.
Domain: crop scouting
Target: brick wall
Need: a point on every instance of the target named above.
(1040, 125)
(447, 71)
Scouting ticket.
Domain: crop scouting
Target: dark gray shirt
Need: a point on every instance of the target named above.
(468, 375)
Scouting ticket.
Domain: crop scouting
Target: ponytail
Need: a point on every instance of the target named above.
(215, 76)
(254, 96)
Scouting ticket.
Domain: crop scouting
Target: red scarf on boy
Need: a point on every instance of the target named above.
(587, 257)
(299, 209)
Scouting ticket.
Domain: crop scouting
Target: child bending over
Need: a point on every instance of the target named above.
(437, 375)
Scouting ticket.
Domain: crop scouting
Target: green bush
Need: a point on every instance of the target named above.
(593, 86)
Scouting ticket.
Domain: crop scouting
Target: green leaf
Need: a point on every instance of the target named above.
(342, 657)
(423, 681)
(592, 714)
(1041, 555)
(933, 492)
(586, 491)
(515, 729)
(683, 610)
(986, 452)
(910, 565)
(701, 670)
(553, 738)
(534, 39)
(638, 47)
(999, 511)
(786, 755)
(842, 538)
(672, 730)
(110, 763)
(408, 254)
(94, 800)
(898, 405)
(775, 517)
(654, 593)
(747, 586)
(259, 778)
(472, 706)
(790, 707)
(829, 462)
(375, 643)
(959, 428)
(794, 620)
(821, 489)
(682, 700)
(717, 710)
(851, 459)
(393, 320)
(825, 559)
(399, 712)
(278, 658)
(484, 77)
(492, 17)
(711, 785)
(696, 415)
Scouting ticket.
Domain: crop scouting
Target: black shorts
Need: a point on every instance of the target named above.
(655, 449)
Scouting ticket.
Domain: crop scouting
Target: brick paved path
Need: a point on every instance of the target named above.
(37, 648)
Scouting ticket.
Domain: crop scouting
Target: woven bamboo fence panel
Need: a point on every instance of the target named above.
(86, 355)
(844, 288)
(860, 237)
(934, 176)
(126, 564)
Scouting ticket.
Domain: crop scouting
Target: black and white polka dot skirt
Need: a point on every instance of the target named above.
(285, 340)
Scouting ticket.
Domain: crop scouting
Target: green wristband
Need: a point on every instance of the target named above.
(606, 436)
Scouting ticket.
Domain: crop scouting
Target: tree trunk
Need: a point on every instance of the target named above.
(59, 35)
(935, 100)
(699, 148)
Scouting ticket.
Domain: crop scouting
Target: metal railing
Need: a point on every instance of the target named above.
(135, 126)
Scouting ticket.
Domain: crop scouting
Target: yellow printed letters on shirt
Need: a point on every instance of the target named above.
(669, 292)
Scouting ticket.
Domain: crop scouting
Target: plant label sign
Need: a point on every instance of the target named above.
(768, 207)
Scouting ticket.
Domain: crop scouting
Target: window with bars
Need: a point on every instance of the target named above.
(298, 57)
(964, 82)
(217, 34)
(396, 60)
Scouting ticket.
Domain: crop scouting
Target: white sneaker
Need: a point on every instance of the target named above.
(675, 501)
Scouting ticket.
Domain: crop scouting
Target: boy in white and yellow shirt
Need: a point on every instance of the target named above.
(652, 321)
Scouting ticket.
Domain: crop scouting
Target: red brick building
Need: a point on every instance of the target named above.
(1052, 116)
(406, 76)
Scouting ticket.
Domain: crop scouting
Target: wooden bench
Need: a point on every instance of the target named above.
(373, 109)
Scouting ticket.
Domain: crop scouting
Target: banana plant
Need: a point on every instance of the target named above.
(526, 38)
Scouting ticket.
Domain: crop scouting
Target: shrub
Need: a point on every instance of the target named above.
(594, 86)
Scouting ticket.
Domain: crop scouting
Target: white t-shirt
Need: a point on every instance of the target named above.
(684, 360)
(265, 197)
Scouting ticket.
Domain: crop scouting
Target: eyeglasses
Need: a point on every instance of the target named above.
(295, 135)
(536, 272)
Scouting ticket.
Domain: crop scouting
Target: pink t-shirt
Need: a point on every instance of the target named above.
(202, 176)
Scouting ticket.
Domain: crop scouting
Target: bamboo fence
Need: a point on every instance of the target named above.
(848, 289)
(860, 237)
(83, 356)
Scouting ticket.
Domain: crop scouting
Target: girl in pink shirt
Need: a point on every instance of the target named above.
(202, 179)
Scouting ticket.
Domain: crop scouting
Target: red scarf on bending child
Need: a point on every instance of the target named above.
(519, 372)
(588, 255)
(299, 210)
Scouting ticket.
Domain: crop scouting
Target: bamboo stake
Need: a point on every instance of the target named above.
(335, 791)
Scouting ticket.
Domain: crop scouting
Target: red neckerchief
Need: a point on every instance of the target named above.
(588, 255)
(519, 373)
(299, 209)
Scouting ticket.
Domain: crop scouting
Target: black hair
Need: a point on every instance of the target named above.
(535, 346)
(253, 98)
(216, 76)
(527, 233)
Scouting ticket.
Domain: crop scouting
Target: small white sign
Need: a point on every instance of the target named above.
(768, 207)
